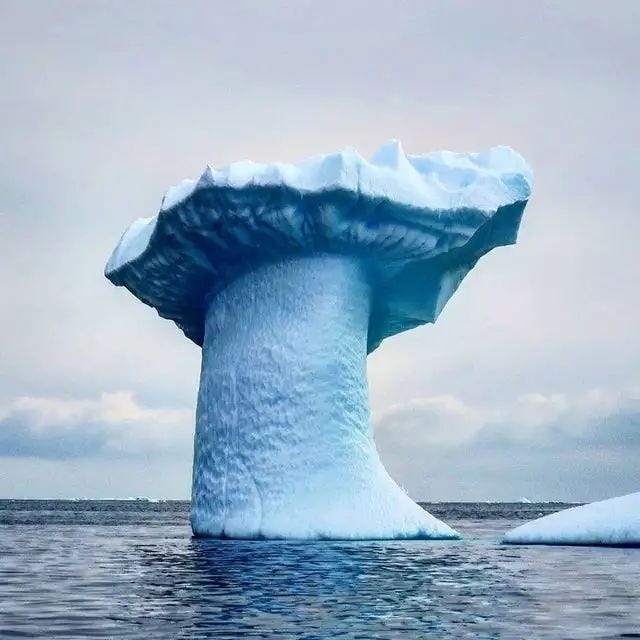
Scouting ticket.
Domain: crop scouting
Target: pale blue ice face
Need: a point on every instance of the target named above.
(287, 276)
(283, 446)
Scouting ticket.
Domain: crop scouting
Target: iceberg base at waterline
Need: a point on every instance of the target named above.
(614, 522)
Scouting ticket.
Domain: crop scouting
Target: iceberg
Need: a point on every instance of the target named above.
(613, 522)
(288, 276)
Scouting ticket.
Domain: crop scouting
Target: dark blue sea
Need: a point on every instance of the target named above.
(103, 569)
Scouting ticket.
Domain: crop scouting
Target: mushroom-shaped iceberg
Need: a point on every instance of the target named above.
(287, 276)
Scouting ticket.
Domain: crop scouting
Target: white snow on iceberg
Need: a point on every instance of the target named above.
(613, 522)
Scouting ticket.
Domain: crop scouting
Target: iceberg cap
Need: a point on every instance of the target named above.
(418, 222)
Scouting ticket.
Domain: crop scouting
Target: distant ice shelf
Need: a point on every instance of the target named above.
(613, 522)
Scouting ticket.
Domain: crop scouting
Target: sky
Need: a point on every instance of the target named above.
(528, 384)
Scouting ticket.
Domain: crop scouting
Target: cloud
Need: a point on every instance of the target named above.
(547, 446)
(435, 421)
(591, 419)
(114, 425)
(563, 446)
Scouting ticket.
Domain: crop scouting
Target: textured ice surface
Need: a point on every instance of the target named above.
(609, 522)
(284, 447)
(287, 276)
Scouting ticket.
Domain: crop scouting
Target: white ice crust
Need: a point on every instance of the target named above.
(609, 522)
(436, 181)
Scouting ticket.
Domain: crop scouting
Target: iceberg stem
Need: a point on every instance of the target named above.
(283, 444)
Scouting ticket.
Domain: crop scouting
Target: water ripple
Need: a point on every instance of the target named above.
(119, 570)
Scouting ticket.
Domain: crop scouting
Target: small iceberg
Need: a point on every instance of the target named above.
(613, 522)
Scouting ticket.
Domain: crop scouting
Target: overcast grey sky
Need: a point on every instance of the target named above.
(529, 384)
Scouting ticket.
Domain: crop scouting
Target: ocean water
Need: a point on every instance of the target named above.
(101, 569)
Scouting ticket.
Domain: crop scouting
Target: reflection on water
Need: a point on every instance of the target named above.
(116, 570)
